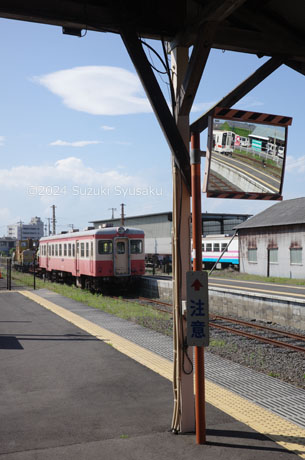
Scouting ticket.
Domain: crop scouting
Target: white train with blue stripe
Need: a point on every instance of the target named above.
(214, 245)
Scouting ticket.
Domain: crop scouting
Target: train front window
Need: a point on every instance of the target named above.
(120, 247)
(136, 246)
(105, 247)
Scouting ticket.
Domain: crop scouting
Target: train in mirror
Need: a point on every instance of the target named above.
(246, 154)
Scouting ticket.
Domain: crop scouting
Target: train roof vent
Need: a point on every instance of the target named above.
(88, 228)
(75, 230)
(63, 232)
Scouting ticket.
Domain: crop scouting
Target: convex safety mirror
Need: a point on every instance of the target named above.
(246, 154)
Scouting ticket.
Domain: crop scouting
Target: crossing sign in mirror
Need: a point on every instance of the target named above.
(197, 309)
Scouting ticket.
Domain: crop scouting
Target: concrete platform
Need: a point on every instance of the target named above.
(69, 394)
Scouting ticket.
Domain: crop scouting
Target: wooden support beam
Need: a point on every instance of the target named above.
(212, 11)
(195, 69)
(238, 93)
(158, 102)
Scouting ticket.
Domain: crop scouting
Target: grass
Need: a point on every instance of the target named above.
(132, 311)
(234, 275)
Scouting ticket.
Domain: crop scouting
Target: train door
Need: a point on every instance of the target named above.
(47, 254)
(121, 256)
(77, 256)
(91, 257)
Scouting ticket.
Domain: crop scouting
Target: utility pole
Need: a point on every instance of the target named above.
(122, 214)
(112, 213)
(20, 226)
(49, 225)
(53, 219)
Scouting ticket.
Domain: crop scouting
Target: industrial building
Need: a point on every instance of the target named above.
(272, 242)
(158, 227)
(21, 231)
(6, 244)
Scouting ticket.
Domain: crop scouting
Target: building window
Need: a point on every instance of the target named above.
(273, 255)
(252, 255)
(105, 247)
(209, 247)
(136, 246)
(296, 256)
(216, 247)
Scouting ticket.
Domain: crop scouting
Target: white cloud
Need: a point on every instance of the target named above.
(107, 128)
(98, 90)
(295, 164)
(2, 138)
(66, 171)
(74, 144)
(202, 106)
(248, 102)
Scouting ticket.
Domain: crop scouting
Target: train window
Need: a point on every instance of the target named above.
(77, 248)
(91, 248)
(120, 247)
(105, 247)
(69, 249)
(209, 247)
(87, 249)
(59, 250)
(65, 249)
(49, 250)
(202, 247)
(136, 246)
(56, 249)
(223, 246)
(52, 249)
(216, 247)
(252, 255)
(82, 249)
(73, 250)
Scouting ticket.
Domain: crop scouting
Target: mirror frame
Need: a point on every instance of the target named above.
(224, 113)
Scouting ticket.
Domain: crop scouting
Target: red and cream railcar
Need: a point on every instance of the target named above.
(93, 258)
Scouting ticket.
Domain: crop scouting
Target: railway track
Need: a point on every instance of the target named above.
(241, 327)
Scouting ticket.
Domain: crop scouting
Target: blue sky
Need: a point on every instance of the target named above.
(77, 131)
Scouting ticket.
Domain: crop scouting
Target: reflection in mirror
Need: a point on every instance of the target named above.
(245, 157)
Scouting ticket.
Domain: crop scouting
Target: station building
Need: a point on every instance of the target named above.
(158, 227)
(272, 243)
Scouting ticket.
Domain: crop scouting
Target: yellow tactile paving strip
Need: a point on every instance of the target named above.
(283, 432)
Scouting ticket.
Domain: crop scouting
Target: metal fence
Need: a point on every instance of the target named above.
(15, 277)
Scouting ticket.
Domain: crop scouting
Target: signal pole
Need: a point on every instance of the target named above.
(49, 226)
(53, 219)
(112, 213)
(122, 214)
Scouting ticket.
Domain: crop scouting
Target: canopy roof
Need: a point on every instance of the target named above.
(271, 27)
